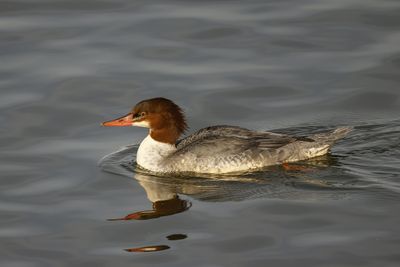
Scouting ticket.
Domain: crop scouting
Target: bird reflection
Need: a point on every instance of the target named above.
(302, 180)
(167, 193)
(148, 248)
(160, 208)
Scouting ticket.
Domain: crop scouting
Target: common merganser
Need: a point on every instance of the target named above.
(215, 149)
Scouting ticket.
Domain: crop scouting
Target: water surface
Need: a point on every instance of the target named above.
(295, 66)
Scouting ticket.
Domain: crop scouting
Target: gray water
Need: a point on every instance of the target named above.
(295, 66)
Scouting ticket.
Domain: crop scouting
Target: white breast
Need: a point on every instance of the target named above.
(151, 153)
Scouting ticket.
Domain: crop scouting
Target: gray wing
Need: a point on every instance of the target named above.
(220, 130)
(238, 139)
(216, 146)
(227, 148)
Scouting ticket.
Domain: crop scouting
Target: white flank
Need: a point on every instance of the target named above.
(317, 151)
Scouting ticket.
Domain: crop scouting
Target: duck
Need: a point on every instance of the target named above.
(220, 149)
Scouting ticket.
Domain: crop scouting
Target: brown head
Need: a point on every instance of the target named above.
(164, 118)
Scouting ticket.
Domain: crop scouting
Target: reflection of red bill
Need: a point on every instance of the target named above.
(148, 249)
(140, 215)
(295, 167)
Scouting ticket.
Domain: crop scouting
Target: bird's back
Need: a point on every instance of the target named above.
(226, 149)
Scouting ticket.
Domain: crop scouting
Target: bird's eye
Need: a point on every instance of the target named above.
(138, 115)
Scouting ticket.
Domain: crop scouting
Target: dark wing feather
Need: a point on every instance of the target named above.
(216, 138)
(220, 130)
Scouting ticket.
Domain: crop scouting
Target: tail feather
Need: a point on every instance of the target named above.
(341, 132)
(331, 137)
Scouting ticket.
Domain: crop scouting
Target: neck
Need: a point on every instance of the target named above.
(165, 135)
